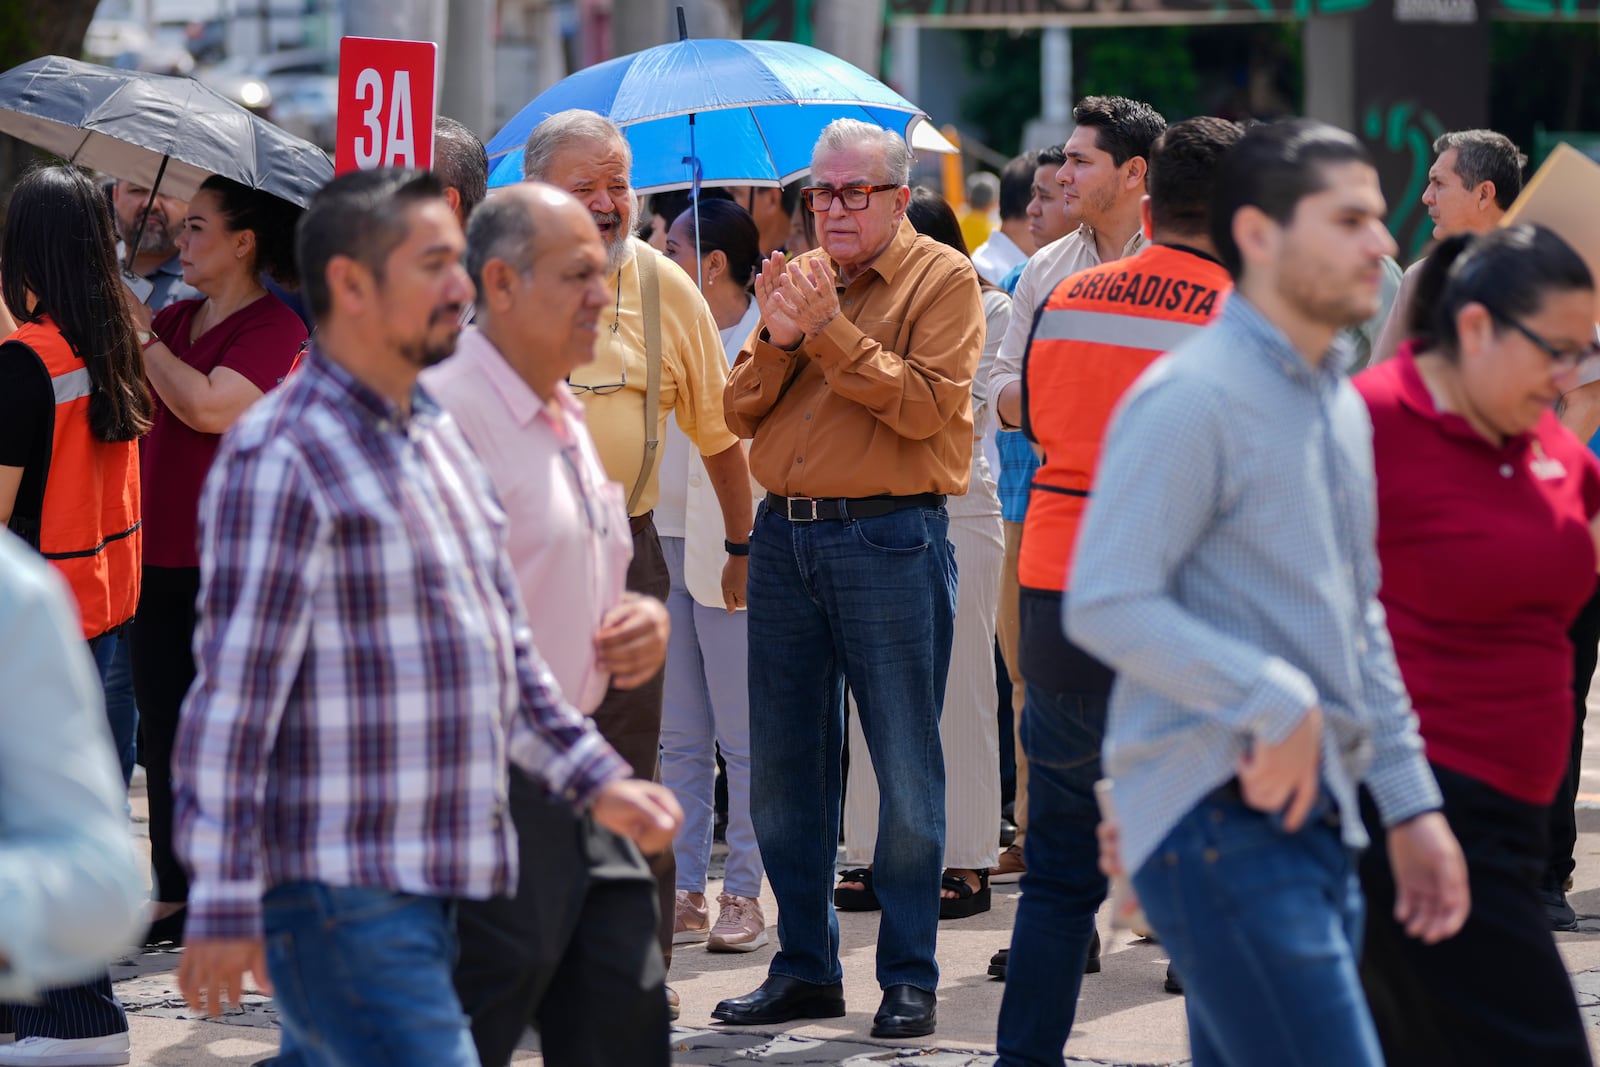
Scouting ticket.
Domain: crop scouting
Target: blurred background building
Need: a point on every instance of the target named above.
(1001, 73)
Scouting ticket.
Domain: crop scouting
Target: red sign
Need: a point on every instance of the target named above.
(385, 104)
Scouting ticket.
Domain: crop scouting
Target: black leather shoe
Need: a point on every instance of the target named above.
(780, 999)
(1002, 959)
(1173, 984)
(906, 1011)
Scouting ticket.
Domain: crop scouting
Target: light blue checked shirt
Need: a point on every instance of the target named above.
(1226, 570)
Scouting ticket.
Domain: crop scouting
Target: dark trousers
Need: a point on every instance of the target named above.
(630, 719)
(1063, 731)
(1497, 993)
(163, 669)
(574, 952)
(81, 1011)
(1585, 636)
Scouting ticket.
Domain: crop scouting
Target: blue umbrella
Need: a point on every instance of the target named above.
(749, 112)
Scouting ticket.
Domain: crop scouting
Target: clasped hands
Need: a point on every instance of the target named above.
(797, 300)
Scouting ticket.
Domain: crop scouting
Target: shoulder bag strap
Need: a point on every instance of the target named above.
(650, 292)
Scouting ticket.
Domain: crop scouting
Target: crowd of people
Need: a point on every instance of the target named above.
(459, 566)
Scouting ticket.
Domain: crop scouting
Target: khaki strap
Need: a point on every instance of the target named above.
(650, 292)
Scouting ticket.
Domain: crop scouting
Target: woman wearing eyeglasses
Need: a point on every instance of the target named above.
(1487, 538)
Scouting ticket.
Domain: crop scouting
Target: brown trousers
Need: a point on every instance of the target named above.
(630, 719)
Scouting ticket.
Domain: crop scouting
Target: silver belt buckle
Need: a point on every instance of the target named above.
(790, 502)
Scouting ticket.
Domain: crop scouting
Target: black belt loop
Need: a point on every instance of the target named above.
(842, 509)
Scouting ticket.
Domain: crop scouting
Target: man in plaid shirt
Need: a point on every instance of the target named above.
(365, 668)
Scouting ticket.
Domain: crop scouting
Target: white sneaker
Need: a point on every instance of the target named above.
(105, 1051)
(740, 926)
(690, 924)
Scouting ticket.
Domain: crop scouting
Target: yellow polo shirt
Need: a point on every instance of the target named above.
(693, 373)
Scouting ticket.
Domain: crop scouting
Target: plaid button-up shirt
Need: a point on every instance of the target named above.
(365, 668)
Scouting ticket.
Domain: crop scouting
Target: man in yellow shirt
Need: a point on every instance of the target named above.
(586, 154)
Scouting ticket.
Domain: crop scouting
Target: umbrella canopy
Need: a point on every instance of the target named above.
(749, 111)
(140, 126)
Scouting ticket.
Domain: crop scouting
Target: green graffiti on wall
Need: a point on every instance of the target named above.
(779, 20)
(1404, 128)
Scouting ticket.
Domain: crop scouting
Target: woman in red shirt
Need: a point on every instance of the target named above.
(1486, 508)
(208, 360)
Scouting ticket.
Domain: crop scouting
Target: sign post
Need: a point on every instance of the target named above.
(386, 92)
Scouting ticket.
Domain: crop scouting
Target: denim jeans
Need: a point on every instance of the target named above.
(116, 676)
(1063, 888)
(872, 602)
(363, 976)
(707, 707)
(1265, 928)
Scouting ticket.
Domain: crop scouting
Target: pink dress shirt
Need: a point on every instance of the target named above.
(568, 532)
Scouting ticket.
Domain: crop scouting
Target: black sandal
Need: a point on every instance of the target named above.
(967, 901)
(863, 899)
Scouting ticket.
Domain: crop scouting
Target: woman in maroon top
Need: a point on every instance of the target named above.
(208, 360)
(1486, 535)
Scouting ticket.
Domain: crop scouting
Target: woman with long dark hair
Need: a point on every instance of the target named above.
(73, 404)
(208, 360)
(706, 701)
(1487, 532)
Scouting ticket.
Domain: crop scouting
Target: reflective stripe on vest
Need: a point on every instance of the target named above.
(90, 529)
(1093, 337)
(1124, 331)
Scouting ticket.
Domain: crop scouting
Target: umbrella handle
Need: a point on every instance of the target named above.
(138, 235)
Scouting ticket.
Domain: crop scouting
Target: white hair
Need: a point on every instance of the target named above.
(845, 133)
(563, 128)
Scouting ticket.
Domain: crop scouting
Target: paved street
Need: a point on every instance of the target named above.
(1124, 1017)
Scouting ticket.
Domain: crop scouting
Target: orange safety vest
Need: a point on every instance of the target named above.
(1094, 336)
(89, 528)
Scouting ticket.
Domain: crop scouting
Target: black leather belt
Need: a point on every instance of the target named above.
(810, 509)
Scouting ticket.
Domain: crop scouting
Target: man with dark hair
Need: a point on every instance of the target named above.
(1101, 182)
(773, 210)
(364, 667)
(1476, 176)
(1009, 245)
(1096, 333)
(1227, 572)
(462, 164)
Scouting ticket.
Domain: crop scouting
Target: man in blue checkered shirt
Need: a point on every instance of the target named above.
(1227, 572)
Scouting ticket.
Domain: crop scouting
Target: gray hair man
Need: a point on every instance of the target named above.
(659, 352)
(856, 392)
(1475, 178)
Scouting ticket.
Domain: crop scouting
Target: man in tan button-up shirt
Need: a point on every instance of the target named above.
(856, 390)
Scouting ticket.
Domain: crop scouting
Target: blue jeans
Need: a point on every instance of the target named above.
(1063, 888)
(1265, 928)
(363, 976)
(872, 602)
(116, 676)
(706, 707)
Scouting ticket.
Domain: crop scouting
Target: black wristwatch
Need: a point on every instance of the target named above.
(736, 550)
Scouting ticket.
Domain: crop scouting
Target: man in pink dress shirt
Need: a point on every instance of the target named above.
(575, 951)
